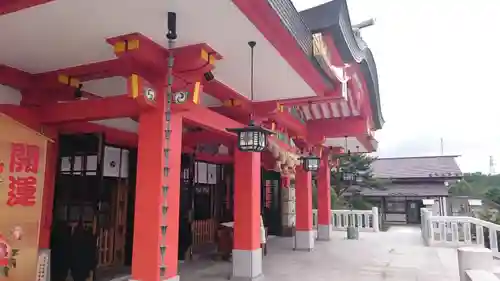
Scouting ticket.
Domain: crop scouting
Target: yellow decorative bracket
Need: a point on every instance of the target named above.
(67, 80)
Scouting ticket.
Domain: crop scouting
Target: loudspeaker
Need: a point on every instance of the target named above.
(172, 25)
(209, 76)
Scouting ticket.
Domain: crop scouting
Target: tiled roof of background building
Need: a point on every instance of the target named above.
(416, 167)
(427, 189)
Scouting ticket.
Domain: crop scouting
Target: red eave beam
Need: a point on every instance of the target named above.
(310, 100)
(210, 120)
(89, 110)
(21, 114)
(228, 96)
(87, 72)
(11, 6)
(14, 78)
(204, 137)
(286, 119)
(218, 159)
(365, 141)
(112, 135)
(337, 128)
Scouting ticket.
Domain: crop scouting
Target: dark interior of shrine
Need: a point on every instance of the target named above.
(94, 207)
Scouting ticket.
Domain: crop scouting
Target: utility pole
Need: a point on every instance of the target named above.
(492, 165)
(442, 147)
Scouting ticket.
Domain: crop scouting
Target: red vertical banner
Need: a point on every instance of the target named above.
(22, 172)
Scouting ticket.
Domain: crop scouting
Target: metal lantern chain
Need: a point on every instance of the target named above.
(252, 50)
(252, 138)
(171, 36)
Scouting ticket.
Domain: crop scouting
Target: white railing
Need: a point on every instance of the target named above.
(476, 264)
(364, 220)
(459, 232)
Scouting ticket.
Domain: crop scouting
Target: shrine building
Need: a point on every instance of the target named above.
(168, 119)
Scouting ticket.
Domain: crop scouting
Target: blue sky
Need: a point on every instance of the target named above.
(438, 64)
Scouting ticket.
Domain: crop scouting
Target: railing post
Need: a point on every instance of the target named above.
(423, 223)
(473, 258)
(427, 228)
(493, 238)
(375, 219)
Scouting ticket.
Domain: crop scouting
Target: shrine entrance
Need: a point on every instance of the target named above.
(271, 202)
(202, 195)
(93, 210)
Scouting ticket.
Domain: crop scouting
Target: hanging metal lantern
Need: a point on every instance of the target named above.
(348, 176)
(310, 163)
(251, 138)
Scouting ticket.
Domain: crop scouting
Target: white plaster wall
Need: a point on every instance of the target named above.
(395, 217)
(9, 95)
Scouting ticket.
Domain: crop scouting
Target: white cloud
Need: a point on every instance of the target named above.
(438, 70)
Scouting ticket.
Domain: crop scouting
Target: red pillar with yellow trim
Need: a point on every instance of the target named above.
(247, 254)
(156, 221)
(304, 235)
(324, 200)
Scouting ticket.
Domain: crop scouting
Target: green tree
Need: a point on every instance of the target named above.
(477, 185)
(358, 165)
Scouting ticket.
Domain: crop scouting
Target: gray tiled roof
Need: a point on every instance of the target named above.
(323, 16)
(333, 17)
(420, 189)
(416, 167)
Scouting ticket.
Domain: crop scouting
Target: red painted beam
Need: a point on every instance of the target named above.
(337, 128)
(112, 135)
(265, 18)
(89, 110)
(189, 62)
(310, 100)
(14, 78)
(210, 120)
(87, 72)
(295, 127)
(235, 113)
(218, 159)
(204, 137)
(223, 92)
(22, 114)
(11, 6)
(365, 141)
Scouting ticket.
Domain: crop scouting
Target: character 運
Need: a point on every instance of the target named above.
(22, 191)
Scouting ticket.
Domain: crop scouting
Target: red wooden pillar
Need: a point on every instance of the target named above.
(324, 200)
(156, 220)
(49, 186)
(304, 235)
(247, 254)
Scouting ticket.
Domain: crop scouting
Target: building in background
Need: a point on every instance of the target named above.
(410, 183)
